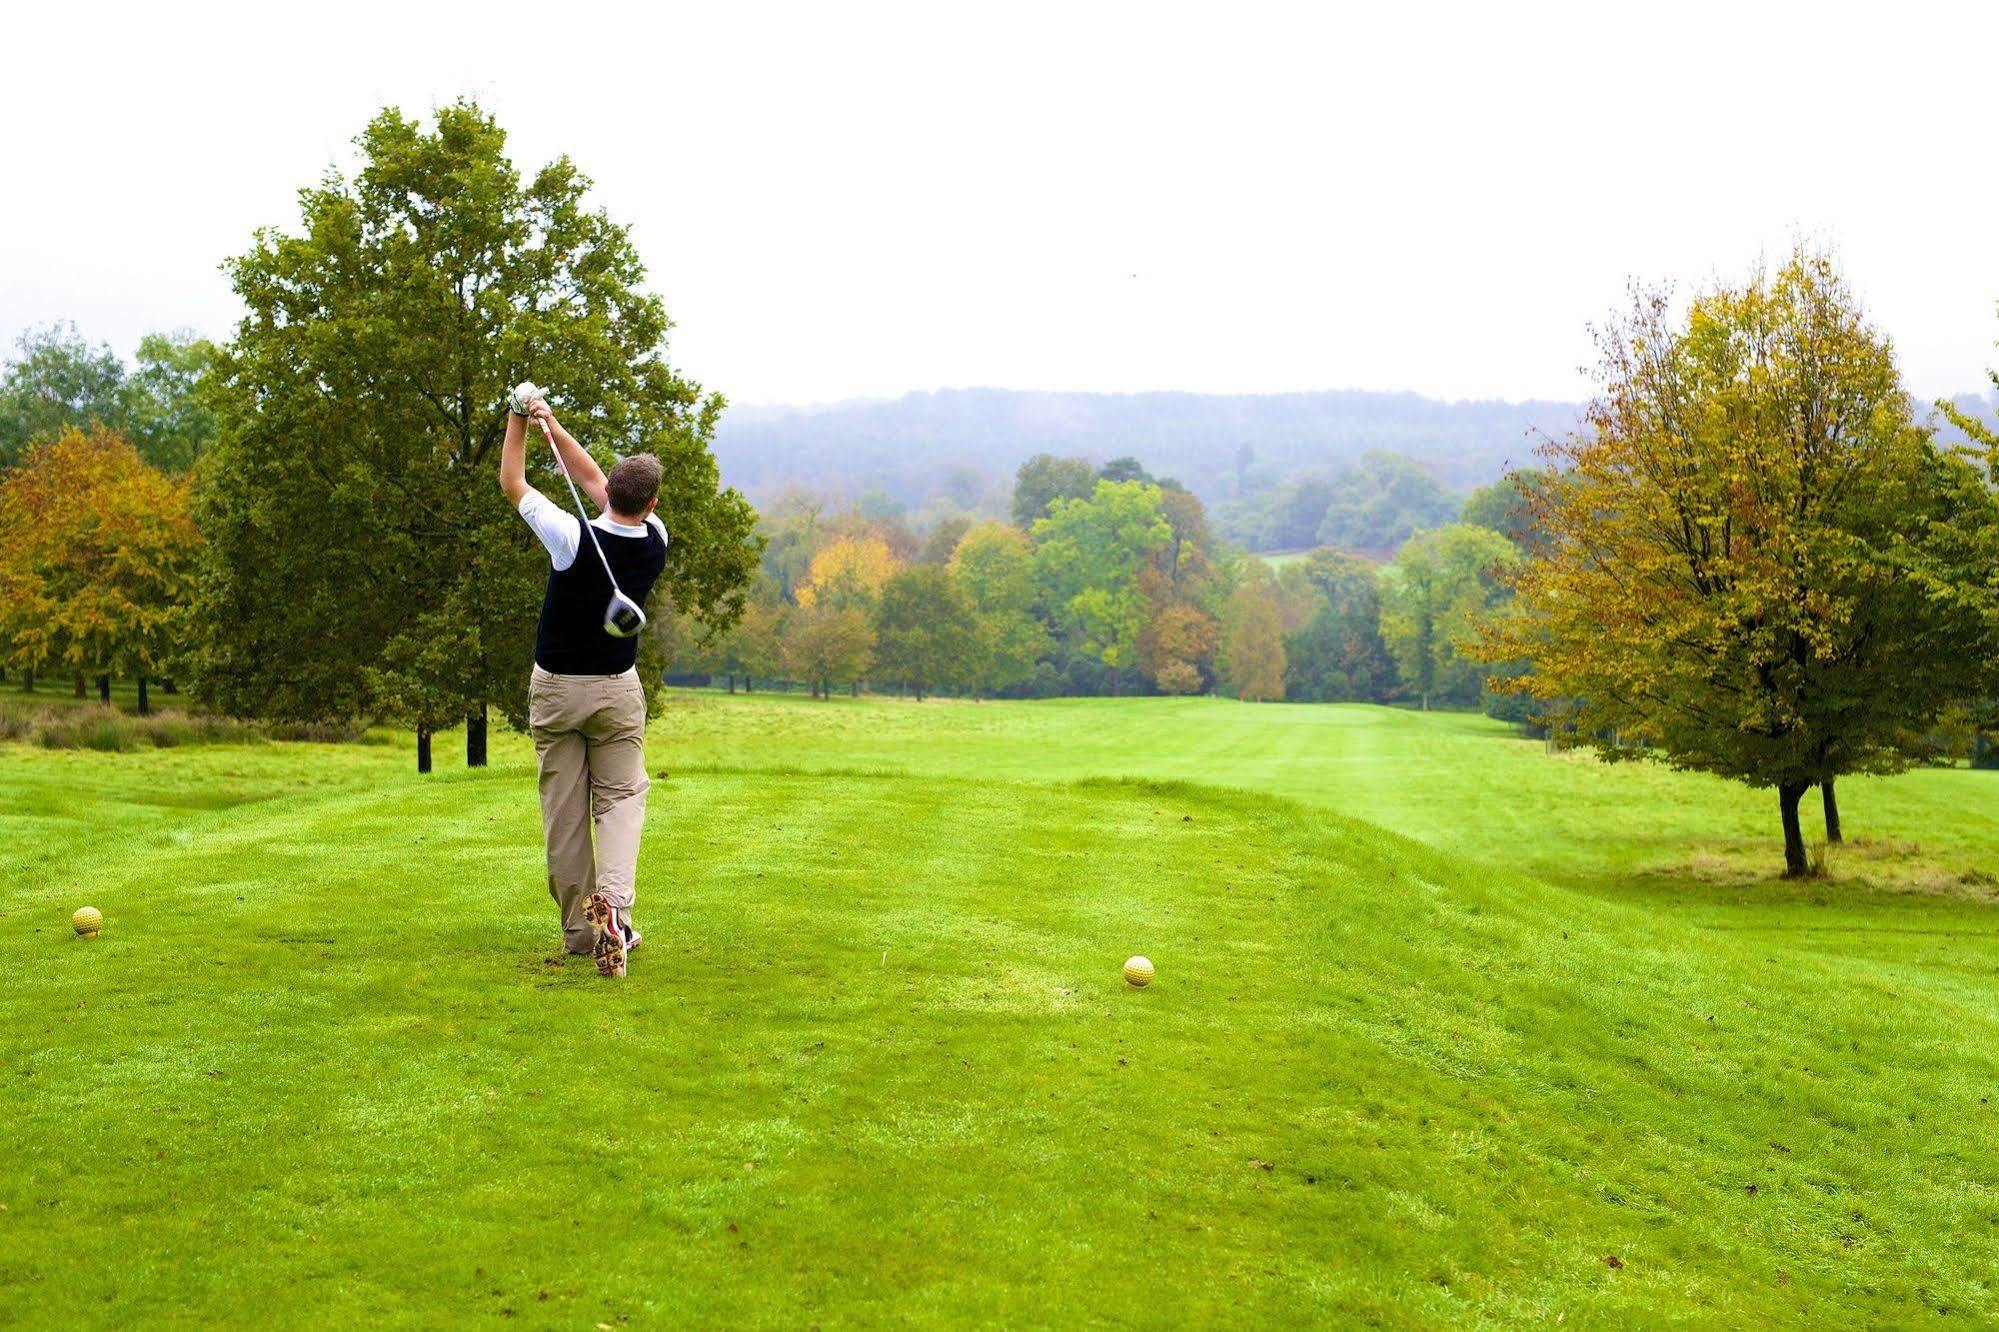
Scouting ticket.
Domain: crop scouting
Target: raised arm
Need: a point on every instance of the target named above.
(514, 460)
(583, 469)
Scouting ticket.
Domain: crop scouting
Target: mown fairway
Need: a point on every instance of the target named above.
(1443, 1026)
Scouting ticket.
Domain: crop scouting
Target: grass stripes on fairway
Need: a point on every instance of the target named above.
(874, 1062)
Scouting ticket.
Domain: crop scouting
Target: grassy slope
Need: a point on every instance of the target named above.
(877, 1063)
(1455, 780)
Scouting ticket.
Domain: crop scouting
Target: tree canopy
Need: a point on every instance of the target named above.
(1756, 560)
(97, 558)
(995, 566)
(1088, 553)
(1252, 643)
(59, 381)
(1439, 591)
(926, 630)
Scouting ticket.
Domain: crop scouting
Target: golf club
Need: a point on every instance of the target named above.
(623, 618)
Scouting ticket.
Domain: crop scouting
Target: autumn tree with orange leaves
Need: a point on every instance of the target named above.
(1752, 557)
(97, 553)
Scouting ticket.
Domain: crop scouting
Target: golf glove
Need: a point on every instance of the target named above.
(523, 396)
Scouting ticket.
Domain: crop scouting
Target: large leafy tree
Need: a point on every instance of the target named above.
(363, 557)
(1754, 562)
(1177, 639)
(1087, 558)
(1252, 647)
(995, 566)
(926, 631)
(97, 558)
(1441, 588)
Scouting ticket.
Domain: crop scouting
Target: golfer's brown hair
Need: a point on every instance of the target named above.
(633, 484)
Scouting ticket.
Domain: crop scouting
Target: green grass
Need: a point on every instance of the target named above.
(1442, 1024)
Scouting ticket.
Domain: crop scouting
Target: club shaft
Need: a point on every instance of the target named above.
(548, 433)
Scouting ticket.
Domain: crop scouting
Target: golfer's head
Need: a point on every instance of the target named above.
(633, 486)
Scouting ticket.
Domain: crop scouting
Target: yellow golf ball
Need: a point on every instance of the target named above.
(1138, 973)
(87, 922)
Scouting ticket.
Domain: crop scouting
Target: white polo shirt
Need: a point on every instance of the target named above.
(562, 531)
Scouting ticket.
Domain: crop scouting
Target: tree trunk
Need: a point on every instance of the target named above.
(27, 682)
(145, 703)
(1832, 836)
(79, 687)
(167, 685)
(475, 737)
(1788, 796)
(919, 692)
(423, 749)
(104, 689)
(732, 681)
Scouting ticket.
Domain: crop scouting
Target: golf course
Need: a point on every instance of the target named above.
(1448, 1030)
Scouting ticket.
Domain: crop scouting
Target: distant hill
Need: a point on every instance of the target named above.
(959, 447)
(966, 443)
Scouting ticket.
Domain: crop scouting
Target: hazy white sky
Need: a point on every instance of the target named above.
(841, 200)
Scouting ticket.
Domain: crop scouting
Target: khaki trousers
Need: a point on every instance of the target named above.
(589, 738)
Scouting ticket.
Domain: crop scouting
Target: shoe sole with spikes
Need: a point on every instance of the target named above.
(610, 947)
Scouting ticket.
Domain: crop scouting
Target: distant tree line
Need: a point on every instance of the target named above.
(1108, 580)
(58, 381)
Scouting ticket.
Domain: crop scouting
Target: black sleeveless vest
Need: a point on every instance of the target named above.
(570, 639)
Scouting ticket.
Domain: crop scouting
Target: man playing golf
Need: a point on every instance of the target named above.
(586, 707)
